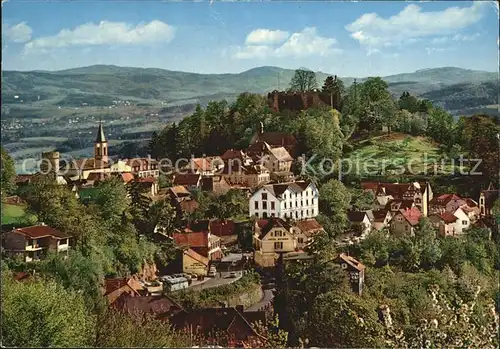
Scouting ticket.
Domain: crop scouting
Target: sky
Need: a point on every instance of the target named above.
(345, 38)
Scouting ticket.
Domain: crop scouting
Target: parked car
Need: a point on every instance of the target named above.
(212, 273)
(232, 274)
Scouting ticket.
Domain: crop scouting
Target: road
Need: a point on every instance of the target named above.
(264, 302)
(215, 282)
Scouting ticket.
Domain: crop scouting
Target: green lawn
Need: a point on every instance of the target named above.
(396, 154)
(13, 214)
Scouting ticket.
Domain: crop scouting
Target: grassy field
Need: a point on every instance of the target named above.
(396, 154)
(13, 214)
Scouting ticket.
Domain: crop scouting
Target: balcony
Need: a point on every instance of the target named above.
(34, 247)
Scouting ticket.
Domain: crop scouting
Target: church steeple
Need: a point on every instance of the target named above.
(101, 145)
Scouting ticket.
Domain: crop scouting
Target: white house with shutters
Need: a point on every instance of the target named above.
(294, 200)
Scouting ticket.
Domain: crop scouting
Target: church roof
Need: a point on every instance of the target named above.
(101, 138)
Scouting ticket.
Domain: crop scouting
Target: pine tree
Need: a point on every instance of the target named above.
(329, 84)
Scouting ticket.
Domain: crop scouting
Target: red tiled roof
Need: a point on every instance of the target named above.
(470, 202)
(146, 180)
(196, 256)
(187, 179)
(98, 176)
(261, 223)
(221, 227)
(352, 262)
(309, 227)
(159, 306)
(448, 217)
(412, 215)
(180, 190)
(191, 239)
(202, 164)
(399, 205)
(446, 198)
(114, 284)
(127, 177)
(39, 231)
(369, 185)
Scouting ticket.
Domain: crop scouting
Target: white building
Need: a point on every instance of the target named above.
(463, 221)
(296, 200)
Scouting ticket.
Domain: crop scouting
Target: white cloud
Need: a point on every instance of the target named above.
(20, 32)
(266, 36)
(371, 30)
(300, 44)
(105, 33)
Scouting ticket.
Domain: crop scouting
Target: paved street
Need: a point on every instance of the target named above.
(215, 282)
(264, 302)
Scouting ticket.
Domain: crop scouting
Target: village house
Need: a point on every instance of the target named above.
(381, 219)
(115, 287)
(232, 324)
(295, 200)
(305, 231)
(361, 225)
(161, 307)
(250, 176)
(419, 192)
(205, 166)
(487, 199)
(191, 181)
(270, 238)
(197, 236)
(194, 263)
(236, 158)
(144, 167)
(275, 159)
(405, 221)
(149, 185)
(222, 227)
(463, 220)
(445, 222)
(32, 243)
(215, 184)
(355, 270)
(276, 139)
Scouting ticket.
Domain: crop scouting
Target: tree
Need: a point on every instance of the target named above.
(111, 198)
(408, 102)
(7, 184)
(43, 314)
(344, 320)
(229, 205)
(140, 207)
(116, 329)
(440, 126)
(334, 200)
(161, 215)
(303, 80)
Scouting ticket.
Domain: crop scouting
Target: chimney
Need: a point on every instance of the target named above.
(240, 309)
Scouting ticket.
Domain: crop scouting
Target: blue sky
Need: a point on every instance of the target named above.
(345, 38)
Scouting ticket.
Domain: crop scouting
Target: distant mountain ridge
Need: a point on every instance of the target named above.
(100, 84)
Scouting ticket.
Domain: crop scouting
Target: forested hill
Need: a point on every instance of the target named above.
(99, 85)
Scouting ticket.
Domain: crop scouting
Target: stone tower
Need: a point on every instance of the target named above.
(101, 145)
(50, 163)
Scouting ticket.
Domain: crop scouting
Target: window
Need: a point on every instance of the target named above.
(256, 214)
(264, 214)
(300, 240)
(272, 205)
(285, 204)
(344, 266)
(278, 245)
(407, 228)
(264, 196)
(307, 212)
(264, 205)
(464, 222)
(256, 205)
